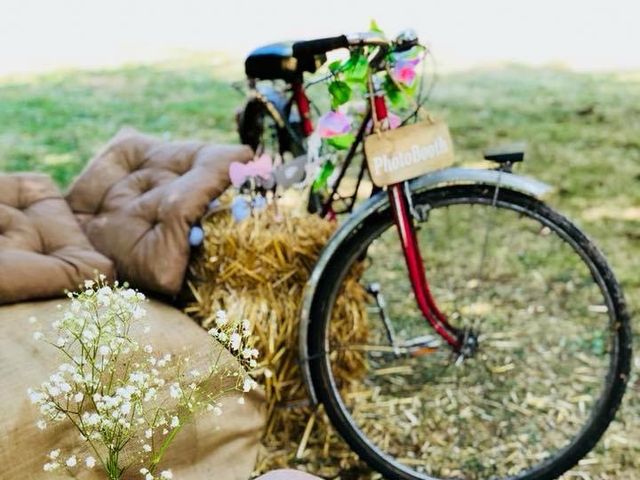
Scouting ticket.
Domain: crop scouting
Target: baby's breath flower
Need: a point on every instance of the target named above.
(248, 384)
(175, 391)
(159, 394)
(235, 340)
(221, 318)
(50, 467)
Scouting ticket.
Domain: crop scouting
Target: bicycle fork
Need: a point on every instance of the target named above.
(406, 230)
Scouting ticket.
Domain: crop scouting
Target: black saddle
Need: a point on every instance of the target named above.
(506, 155)
(289, 60)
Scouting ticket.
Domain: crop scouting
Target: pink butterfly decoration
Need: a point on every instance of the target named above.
(240, 172)
(332, 124)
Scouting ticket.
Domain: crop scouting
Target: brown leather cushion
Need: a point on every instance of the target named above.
(43, 250)
(210, 447)
(139, 197)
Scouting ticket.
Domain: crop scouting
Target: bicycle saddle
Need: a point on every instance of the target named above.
(511, 153)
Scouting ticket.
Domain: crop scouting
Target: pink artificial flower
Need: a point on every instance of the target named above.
(404, 71)
(333, 124)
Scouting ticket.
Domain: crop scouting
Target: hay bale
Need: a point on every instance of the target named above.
(257, 269)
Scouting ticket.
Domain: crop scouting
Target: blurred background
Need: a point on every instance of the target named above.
(562, 75)
(587, 35)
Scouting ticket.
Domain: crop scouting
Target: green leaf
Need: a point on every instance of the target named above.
(373, 27)
(341, 142)
(340, 93)
(394, 94)
(358, 69)
(335, 66)
(323, 176)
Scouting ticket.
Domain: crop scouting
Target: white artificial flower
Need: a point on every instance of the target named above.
(90, 462)
(241, 400)
(146, 447)
(104, 350)
(166, 475)
(148, 433)
(53, 454)
(38, 336)
(148, 349)
(175, 422)
(41, 424)
(71, 461)
(88, 284)
(50, 467)
(78, 397)
(217, 411)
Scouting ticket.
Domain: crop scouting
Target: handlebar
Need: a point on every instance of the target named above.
(319, 46)
(404, 41)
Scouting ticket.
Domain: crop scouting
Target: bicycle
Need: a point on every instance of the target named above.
(508, 363)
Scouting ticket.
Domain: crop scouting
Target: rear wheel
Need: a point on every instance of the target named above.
(258, 129)
(554, 341)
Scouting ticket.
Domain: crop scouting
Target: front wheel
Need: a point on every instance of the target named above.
(554, 341)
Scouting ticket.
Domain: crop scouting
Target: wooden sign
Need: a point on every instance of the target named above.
(408, 152)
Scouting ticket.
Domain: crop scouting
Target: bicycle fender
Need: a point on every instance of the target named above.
(379, 201)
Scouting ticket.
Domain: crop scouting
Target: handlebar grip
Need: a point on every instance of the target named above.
(319, 46)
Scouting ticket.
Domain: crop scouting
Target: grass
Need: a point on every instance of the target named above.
(583, 132)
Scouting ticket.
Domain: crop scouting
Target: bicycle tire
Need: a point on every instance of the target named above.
(352, 249)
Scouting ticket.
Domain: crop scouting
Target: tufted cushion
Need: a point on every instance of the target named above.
(138, 198)
(43, 251)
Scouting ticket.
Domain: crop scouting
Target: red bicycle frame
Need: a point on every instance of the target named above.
(406, 230)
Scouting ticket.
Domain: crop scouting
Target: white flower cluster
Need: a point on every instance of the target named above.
(121, 395)
(236, 336)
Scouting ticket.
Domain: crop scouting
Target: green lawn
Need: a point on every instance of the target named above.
(583, 132)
